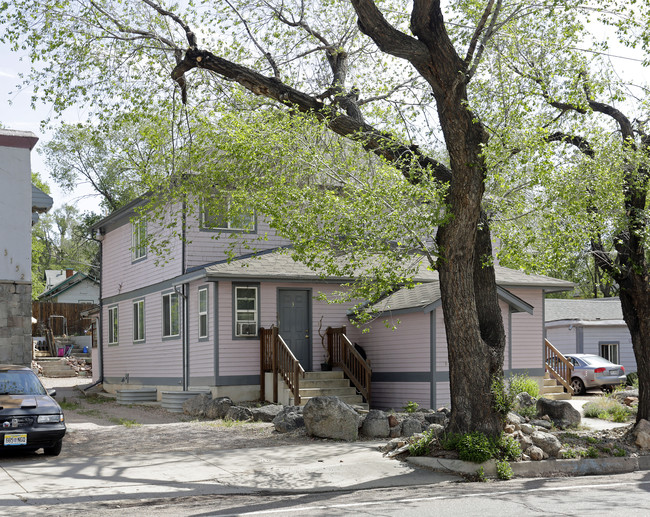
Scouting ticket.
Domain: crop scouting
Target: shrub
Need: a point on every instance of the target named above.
(504, 470)
(509, 448)
(620, 452)
(423, 445)
(607, 408)
(521, 383)
(592, 452)
(411, 407)
(502, 401)
(476, 447)
(632, 379)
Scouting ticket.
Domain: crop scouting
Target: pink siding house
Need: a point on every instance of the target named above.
(193, 320)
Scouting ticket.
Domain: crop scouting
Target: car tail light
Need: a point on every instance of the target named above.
(623, 369)
(599, 370)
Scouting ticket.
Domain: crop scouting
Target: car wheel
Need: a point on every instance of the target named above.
(55, 450)
(578, 386)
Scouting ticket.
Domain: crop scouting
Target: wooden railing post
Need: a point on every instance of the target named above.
(274, 362)
(330, 346)
(262, 360)
(296, 376)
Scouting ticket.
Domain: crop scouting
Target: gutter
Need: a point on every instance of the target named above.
(100, 325)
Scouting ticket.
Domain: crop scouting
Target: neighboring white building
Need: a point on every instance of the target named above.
(68, 286)
(593, 326)
(17, 204)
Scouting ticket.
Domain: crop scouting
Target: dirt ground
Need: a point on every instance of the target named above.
(99, 426)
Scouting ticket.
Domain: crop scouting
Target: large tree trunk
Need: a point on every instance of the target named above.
(635, 302)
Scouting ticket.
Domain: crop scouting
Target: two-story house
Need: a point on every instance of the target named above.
(192, 318)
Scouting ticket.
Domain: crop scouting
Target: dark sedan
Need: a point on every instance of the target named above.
(30, 418)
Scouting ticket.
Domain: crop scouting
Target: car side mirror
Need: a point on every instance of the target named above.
(51, 392)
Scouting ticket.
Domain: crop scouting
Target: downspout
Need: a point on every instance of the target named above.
(100, 326)
(186, 337)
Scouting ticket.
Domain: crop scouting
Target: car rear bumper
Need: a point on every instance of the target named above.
(603, 382)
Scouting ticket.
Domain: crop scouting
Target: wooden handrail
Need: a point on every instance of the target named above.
(344, 355)
(276, 357)
(558, 366)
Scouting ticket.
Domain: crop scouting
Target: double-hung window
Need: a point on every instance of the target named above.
(138, 321)
(226, 216)
(113, 325)
(609, 351)
(171, 316)
(138, 239)
(246, 303)
(203, 312)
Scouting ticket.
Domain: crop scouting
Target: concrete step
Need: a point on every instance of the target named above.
(330, 383)
(553, 389)
(550, 382)
(312, 376)
(55, 367)
(323, 391)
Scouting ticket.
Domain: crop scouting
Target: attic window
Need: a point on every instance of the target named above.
(225, 216)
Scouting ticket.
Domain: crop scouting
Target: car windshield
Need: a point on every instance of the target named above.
(20, 382)
(595, 360)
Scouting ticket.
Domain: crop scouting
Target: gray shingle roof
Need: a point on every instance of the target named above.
(585, 310)
(279, 265)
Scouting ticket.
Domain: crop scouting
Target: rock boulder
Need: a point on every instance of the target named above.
(561, 412)
(330, 417)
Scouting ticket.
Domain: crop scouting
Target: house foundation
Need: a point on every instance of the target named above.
(15, 323)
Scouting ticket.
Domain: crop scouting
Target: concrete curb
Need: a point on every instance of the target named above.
(544, 468)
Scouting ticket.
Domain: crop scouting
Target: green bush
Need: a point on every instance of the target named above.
(423, 446)
(521, 383)
(476, 447)
(632, 379)
(411, 407)
(592, 452)
(607, 408)
(502, 401)
(509, 448)
(504, 470)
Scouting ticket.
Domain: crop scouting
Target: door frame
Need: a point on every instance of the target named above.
(308, 290)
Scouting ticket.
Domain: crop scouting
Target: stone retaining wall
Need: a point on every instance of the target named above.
(15, 323)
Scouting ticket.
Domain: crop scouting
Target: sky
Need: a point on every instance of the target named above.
(16, 113)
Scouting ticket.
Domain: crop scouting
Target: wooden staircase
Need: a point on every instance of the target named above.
(321, 384)
(551, 389)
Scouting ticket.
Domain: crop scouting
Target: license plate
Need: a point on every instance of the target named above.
(15, 439)
(613, 372)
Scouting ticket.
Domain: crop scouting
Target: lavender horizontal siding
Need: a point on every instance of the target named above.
(528, 330)
(443, 395)
(395, 395)
(121, 275)
(205, 247)
(404, 349)
(201, 351)
(563, 339)
(241, 356)
(151, 358)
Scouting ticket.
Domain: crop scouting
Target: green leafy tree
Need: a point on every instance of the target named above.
(393, 77)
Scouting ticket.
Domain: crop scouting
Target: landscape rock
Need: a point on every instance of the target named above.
(392, 445)
(330, 417)
(393, 421)
(642, 434)
(524, 440)
(630, 401)
(513, 418)
(622, 395)
(396, 431)
(217, 408)
(266, 413)
(239, 413)
(436, 418)
(376, 425)
(289, 419)
(535, 453)
(561, 412)
(527, 428)
(542, 423)
(411, 426)
(197, 406)
(524, 399)
(436, 429)
(547, 442)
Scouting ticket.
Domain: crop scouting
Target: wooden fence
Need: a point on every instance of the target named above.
(60, 318)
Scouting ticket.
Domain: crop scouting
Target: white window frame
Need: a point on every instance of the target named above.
(210, 222)
(138, 240)
(203, 305)
(239, 322)
(610, 345)
(113, 325)
(168, 315)
(139, 324)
